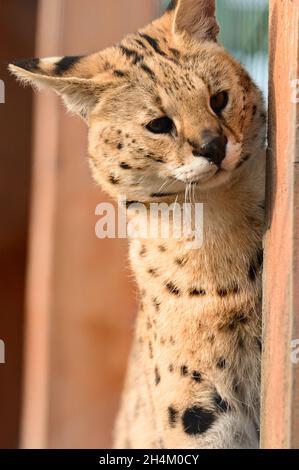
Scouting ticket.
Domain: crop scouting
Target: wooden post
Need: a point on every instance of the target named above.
(80, 300)
(280, 395)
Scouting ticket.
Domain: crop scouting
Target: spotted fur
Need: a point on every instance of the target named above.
(194, 371)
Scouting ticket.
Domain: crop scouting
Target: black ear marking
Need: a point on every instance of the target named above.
(66, 63)
(32, 64)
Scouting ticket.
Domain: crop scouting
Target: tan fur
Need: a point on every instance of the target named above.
(194, 371)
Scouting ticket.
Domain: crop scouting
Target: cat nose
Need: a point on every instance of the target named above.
(213, 147)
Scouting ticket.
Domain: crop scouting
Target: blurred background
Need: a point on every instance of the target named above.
(67, 299)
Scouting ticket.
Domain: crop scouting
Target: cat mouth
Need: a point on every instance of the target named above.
(198, 171)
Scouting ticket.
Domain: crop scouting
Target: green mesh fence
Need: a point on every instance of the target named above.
(244, 32)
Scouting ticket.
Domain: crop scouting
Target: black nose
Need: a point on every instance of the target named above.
(213, 148)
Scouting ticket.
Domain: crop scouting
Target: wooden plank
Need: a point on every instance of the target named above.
(280, 404)
(80, 300)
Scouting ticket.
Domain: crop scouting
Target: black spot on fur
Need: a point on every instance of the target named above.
(157, 376)
(162, 248)
(153, 272)
(172, 288)
(113, 179)
(221, 363)
(175, 52)
(66, 63)
(153, 43)
(140, 43)
(150, 350)
(154, 158)
(221, 404)
(147, 70)
(263, 117)
(233, 323)
(211, 338)
(254, 110)
(120, 73)
(28, 64)
(197, 292)
(197, 420)
(156, 304)
(222, 292)
(196, 376)
(171, 368)
(252, 272)
(184, 370)
(131, 54)
(172, 416)
(142, 251)
(235, 289)
(125, 166)
(180, 261)
(119, 146)
(260, 258)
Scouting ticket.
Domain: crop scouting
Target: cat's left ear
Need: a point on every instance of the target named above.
(76, 79)
(196, 18)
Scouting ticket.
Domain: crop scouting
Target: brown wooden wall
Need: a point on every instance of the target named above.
(280, 410)
(80, 298)
(15, 169)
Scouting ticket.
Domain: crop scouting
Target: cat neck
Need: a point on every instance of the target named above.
(232, 211)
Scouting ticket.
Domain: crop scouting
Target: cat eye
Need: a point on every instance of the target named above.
(219, 101)
(162, 125)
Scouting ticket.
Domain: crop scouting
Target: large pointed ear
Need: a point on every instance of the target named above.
(76, 79)
(196, 18)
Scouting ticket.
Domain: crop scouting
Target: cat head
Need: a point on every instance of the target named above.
(166, 107)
